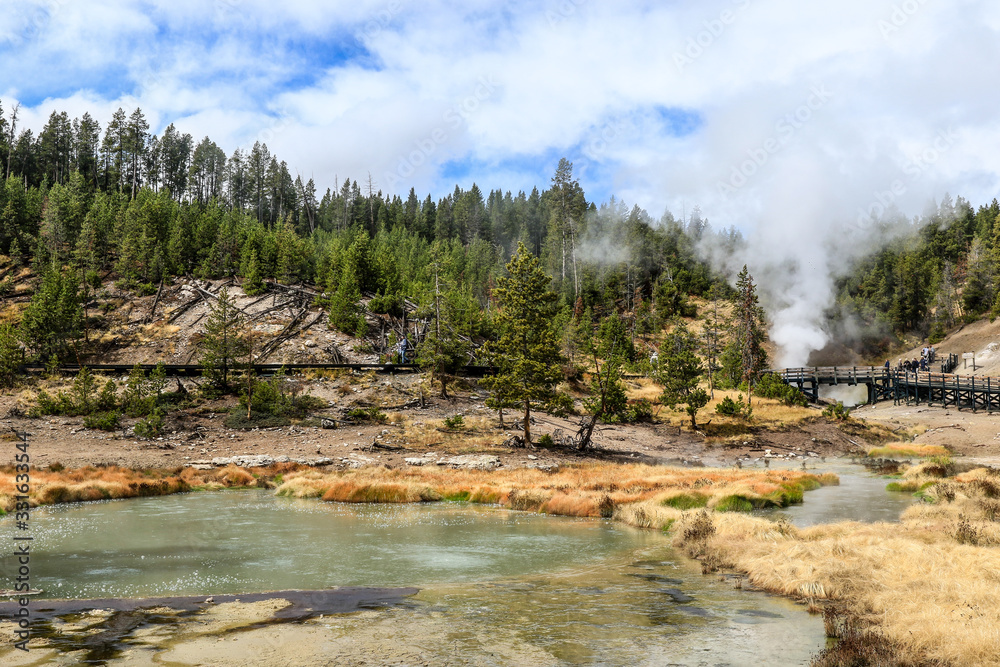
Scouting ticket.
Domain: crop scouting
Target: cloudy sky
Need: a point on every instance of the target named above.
(752, 109)
(794, 121)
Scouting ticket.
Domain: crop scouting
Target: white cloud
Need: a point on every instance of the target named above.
(576, 77)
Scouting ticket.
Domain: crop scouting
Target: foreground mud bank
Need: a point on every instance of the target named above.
(181, 629)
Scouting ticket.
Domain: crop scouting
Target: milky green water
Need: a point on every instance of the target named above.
(584, 591)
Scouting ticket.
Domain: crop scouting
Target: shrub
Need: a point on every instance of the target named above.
(456, 422)
(367, 415)
(640, 410)
(770, 386)
(150, 427)
(237, 419)
(546, 441)
(837, 412)
(388, 304)
(560, 405)
(102, 421)
(727, 407)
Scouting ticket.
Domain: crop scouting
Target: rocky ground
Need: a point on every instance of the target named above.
(411, 435)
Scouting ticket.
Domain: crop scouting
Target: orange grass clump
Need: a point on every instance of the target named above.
(89, 483)
(102, 483)
(926, 584)
(584, 490)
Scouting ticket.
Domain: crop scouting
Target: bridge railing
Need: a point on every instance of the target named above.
(859, 374)
(836, 373)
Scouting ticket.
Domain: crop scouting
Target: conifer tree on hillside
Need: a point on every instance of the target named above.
(448, 342)
(527, 349)
(253, 284)
(225, 346)
(678, 370)
(744, 358)
(11, 355)
(53, 321)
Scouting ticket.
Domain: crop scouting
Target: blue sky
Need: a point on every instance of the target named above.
(666, 105)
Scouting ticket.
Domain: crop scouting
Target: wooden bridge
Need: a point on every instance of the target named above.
(901, 387)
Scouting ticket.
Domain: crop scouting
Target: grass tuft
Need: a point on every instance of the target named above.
(907, 450)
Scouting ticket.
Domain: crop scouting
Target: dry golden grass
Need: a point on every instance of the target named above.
(92, 483)
(929, 584)
(157, 331)
(643, 388)
(89, 483)
(585, 490)
(767, 413)
(907, 450)
(477, 435)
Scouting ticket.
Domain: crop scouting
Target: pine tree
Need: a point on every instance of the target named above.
(678, 370)
(225, 346)
(345, 313)
(11, 355)
(448, 343)
(744, 358)
(527, 350)
(252, 282)
(53, 321)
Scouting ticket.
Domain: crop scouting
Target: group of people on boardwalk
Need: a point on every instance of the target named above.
(927, 356)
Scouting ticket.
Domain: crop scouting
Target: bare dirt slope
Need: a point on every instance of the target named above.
(287, 326)
(981, 338)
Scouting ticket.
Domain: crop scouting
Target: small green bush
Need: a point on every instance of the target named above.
(640, 410)
(837, 412)
(561, 405)
(367, 415)
(771, 386)
(546, 441)
(388, 304)
(102, 421)
(455, 422)
(237, 419)
(727, 407)
(150, 427)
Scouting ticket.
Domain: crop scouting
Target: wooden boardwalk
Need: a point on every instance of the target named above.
(196, 370)
(901, 387)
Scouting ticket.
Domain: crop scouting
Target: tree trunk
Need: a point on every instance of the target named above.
(527, 422)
